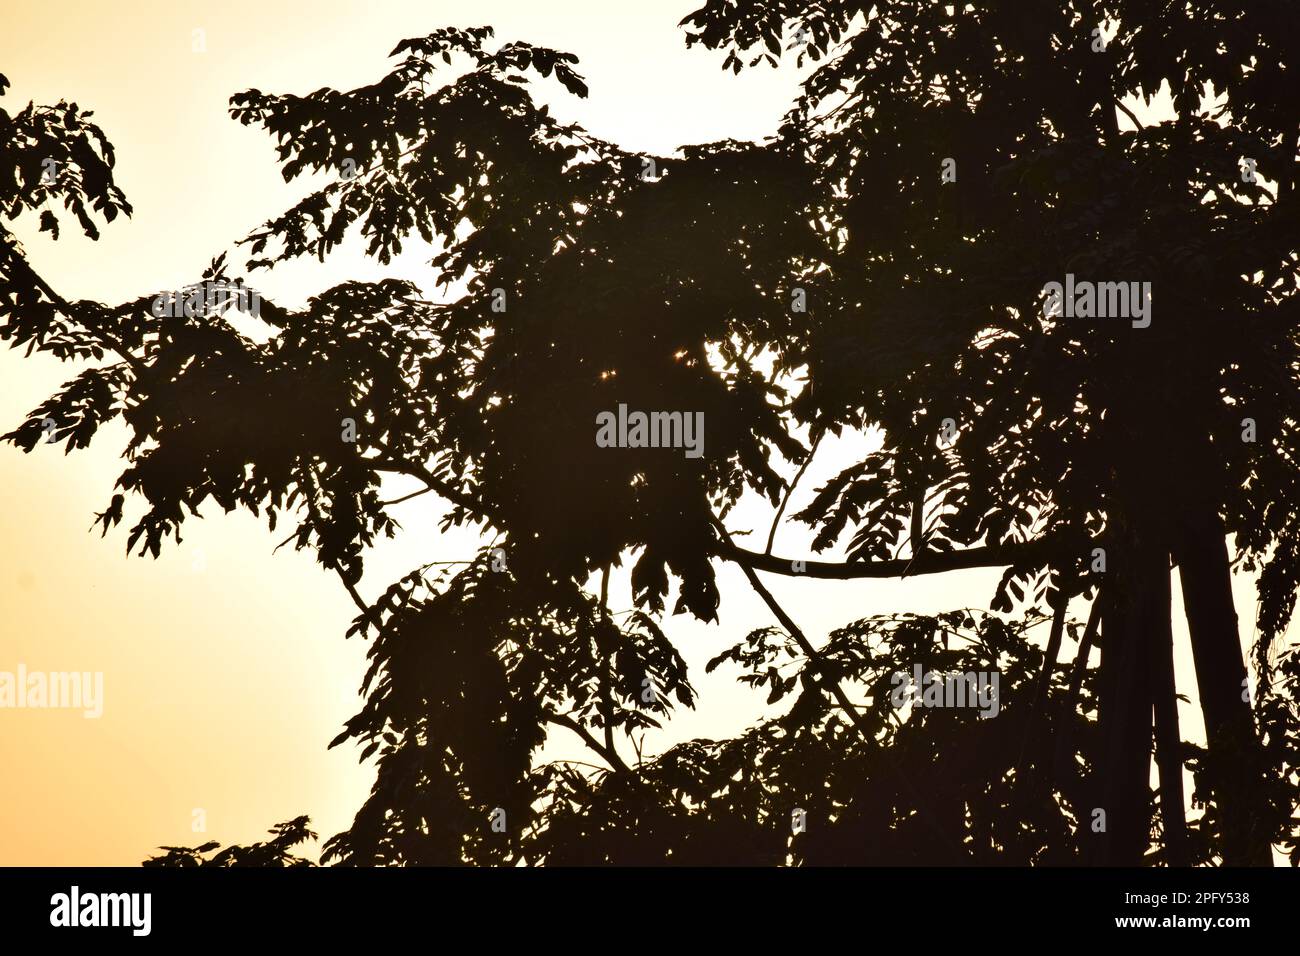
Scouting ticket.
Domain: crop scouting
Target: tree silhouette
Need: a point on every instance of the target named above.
(584, 276)
(1068, 427)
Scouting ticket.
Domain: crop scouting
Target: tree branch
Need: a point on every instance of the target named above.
(455, 496)
(1129, 113)
(931, 562)
(829, 681)
(610, 757)
(1064, 736)
(413, 494)
(66, 308)
(789, 492)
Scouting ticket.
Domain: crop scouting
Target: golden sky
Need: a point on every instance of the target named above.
(225, 668)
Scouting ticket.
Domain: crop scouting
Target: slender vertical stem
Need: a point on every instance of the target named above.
(789, 492)
(1169, 760)
(606, 677)
(1064, 728)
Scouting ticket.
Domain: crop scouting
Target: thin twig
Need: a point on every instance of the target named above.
(1129, 113)
(789, 492)
(610, 757)
(413, 494)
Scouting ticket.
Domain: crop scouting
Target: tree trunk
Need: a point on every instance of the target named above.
(1234, 750)
(1125, 706)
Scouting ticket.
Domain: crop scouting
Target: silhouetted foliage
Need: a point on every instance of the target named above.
(274, 852)
(579, 276)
